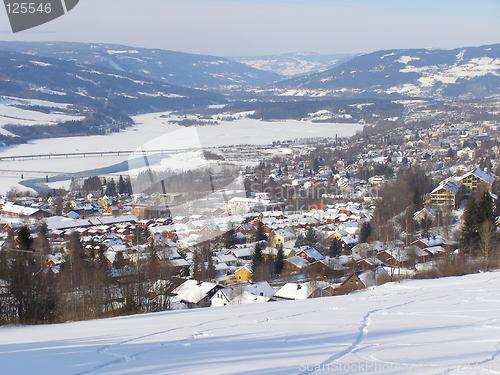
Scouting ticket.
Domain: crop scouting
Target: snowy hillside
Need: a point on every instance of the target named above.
(472, 72)
(182, 69)
(62, 81)
(293, 64)
(446, 326)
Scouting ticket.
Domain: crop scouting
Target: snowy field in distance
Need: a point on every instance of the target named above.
(12, 115)
(156, 133)
(445, 326)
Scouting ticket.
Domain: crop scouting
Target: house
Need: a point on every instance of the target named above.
(393, 257)
(471, 180)
(194, 293)
(356, 281)
(310, 254)
(326, 269)
(15, 210)
(241, 294)
(367, 264)
(424, 215)
(366, 250)
(432, 241)
(447, 193)
(279, 237)
(295, 264)
(435, 251)
(296, 291)
(243, 274)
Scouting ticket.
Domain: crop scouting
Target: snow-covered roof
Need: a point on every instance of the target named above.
(297, 261)
(450, 184)
(19, 210)
(367, 278)
(192, 291)
(481, 175)
(295, 291)
(312, 253)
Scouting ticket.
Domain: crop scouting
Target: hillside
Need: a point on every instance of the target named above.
(421, 327)
(26, 76)
(176, 68)
(293, 64)
(470, 72)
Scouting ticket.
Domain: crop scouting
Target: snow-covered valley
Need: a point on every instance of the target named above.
(443, 326)
(154, 132)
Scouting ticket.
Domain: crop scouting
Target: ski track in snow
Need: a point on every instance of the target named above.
(363, 331)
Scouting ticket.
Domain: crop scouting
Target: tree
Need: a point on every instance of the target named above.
(211, 271)
(122, 186)
(469, 239)
(487, 239)
(229, 237)
(257, 257)
(119, 262)
(485, 208)
(42, 239)
(279, 261)
(111, 188)
(34, 294)
(311, 238)
(260, 234)
(198, 266)
(300, 241)
(335, 248)
(365, 232)
(24, 239)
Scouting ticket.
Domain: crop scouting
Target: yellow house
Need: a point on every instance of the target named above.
(280, 236)
(474, 178)
(243, 274)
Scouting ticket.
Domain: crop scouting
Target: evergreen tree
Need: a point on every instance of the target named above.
(365, 232)
(311, 238)
(128, 183)
(260, 234)
(469, 239)
(211, 272)
(198, 266)
(122, 186)
(24, 239)
(229, 237)
(335, 248)
(279, 261)
(111, 188)
(257, 258)
(485, 208)
(119, 262)
(300, 241)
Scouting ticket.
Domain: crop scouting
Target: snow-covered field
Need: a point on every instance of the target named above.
(12, 115)
(445, 326)
(155, 132)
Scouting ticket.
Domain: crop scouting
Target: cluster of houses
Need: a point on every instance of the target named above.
(122, 229)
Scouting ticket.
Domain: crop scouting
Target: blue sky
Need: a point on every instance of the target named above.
(258, 27)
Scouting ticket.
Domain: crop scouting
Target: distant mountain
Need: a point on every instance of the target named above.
(292, 64)
(34, 77)
(182, 69)
(471, 72)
